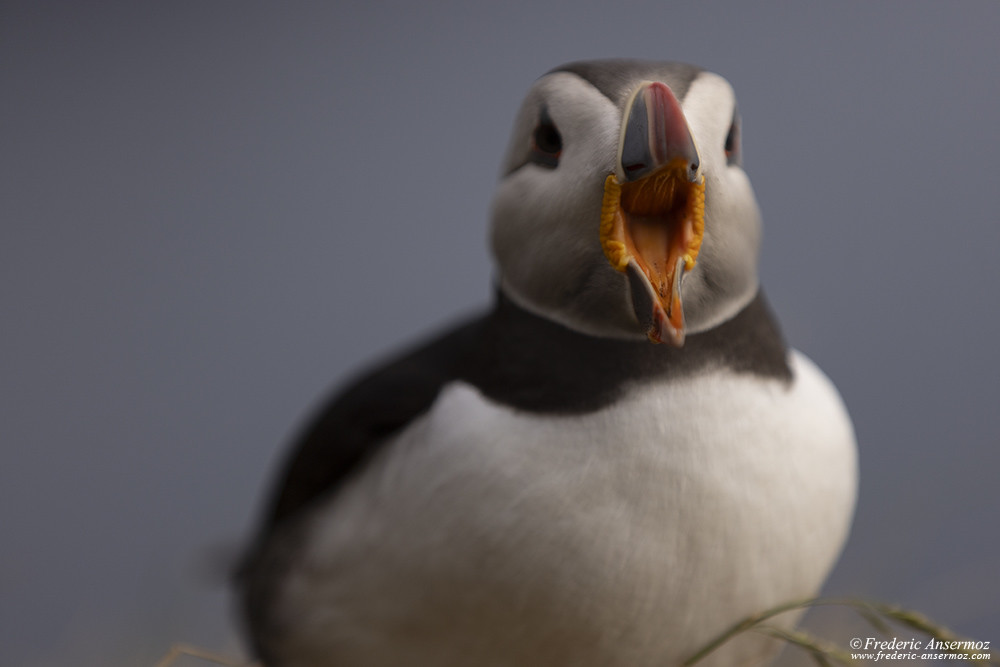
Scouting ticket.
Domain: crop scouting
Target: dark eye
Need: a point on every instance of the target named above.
(733, 142)
(546, 142)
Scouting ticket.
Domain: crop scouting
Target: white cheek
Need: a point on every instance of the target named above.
(708, 107)
(545, 221)
(732, 220)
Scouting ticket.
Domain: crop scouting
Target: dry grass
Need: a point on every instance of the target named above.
(178, 652)
(882, 618)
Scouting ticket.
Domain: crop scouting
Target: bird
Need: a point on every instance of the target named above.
(613, 462)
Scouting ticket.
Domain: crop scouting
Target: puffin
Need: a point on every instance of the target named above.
(612, 464)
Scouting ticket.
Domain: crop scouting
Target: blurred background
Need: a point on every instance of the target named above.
(213, 212)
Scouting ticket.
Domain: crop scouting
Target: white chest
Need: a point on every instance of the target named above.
(631, 535)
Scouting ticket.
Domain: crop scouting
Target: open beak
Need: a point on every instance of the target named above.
(653, 213)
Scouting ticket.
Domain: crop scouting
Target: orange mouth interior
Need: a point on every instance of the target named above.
(655, 221)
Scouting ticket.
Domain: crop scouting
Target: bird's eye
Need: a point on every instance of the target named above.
(546, 142)
(733, 142)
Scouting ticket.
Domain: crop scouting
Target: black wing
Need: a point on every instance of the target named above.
(351, 428)
(345, 434)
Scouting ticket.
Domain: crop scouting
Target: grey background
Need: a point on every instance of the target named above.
(214, 211)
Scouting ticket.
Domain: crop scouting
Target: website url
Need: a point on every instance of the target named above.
(897, 655)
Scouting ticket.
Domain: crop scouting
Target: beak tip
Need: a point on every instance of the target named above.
(664, 332)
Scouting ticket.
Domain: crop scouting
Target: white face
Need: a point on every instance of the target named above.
(547, 208)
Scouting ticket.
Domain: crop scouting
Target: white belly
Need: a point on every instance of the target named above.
(629, 536)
